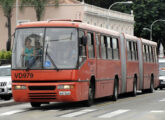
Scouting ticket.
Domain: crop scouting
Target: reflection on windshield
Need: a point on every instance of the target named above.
(57, 49)
(5, 72)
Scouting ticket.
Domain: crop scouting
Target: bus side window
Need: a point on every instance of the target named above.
(106, 50)
(129, 50)
(133, 51)
(82, 48)
(109, 48)
(91, 50)
(115, 48)
(147, 54)
(152, 54)
(144, 54)
(156, 59)
(136, 47)
(98, 46)
(103, 49)
(149, 49)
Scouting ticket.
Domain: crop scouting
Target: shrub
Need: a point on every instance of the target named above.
(5, 55)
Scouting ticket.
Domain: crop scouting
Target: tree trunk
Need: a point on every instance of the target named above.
(9, 33)
(38, 14)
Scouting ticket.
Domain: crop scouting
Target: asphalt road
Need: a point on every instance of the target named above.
(150, 106)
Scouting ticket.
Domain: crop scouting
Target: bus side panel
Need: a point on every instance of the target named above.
(84, 75)
(106, 71)
(148, 70)
(132, 69)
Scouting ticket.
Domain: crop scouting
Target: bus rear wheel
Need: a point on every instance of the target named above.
(115, 91)
(35, 104)
(151, 90)
(134, 93)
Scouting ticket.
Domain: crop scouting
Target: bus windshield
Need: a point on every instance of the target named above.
(45, 48)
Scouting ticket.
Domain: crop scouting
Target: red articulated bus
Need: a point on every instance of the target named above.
(72, 61)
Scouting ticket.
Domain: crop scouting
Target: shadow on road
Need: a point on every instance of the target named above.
(79, 105)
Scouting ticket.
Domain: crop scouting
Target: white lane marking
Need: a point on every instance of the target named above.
(157, 111)
(12, 112)
(74, 114)
(162, 100)
(112, 114)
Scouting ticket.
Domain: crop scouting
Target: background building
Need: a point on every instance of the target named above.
(70, 9)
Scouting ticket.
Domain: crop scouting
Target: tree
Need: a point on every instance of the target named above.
(7, 6)
(39, 6)
(145, 12)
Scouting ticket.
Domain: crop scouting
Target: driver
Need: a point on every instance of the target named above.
(28, 53)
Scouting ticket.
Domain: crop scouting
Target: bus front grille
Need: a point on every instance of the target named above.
(37, 96)
(42, 87)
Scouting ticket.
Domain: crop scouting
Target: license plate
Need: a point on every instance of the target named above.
(64, 92)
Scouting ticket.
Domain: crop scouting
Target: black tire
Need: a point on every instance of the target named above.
(151, 90)
(91, 95)
(7, 98)
(161, 88)
(134, 93)
(115, 91)
(35, 104)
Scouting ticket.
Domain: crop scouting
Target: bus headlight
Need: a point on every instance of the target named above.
(65, 86)
(20, 87)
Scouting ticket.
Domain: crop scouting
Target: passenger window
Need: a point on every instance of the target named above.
(149, 50)
(98, 46)
(91, 51)
(144, 53)
(133, 50)
(115, 48)
(82, 48)
(130, 51)
(156, 59)
(147, 54)
(136, 49)
(109, 48)
(103, 49)
(152, 54)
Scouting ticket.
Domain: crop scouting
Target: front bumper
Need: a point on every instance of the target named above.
(47, 92)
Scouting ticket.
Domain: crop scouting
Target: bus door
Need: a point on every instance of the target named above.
(91, 53)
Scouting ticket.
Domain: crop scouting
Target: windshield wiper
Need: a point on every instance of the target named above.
(47, 54)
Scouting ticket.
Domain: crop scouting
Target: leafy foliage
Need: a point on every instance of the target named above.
(5, 55)
(145, 12)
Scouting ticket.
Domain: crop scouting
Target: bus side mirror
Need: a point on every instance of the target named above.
(8, 45)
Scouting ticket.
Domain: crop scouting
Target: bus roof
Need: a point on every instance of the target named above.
(148, 42)
(50, 23)
(68, 23)
(130, 37)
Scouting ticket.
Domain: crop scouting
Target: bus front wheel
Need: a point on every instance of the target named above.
(90, 100)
